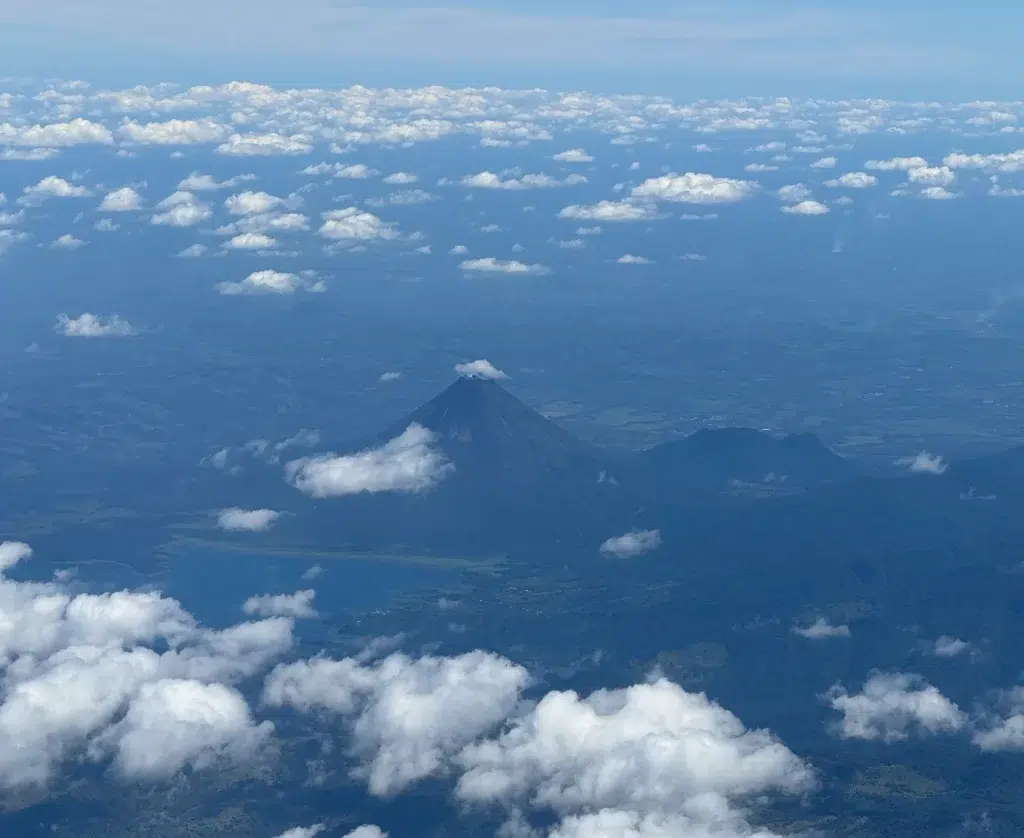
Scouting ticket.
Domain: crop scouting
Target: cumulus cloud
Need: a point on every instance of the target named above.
(354, 171)
(1008, 163)
(630, 259)
(793, 193)
(246, 520)
(490, 180)
(648, 760)
(489, 264)
(270, 282)
(892, 706)
(931, 176)
(298, 605)
(897, 164)
(479, 369)
(822, 629)
(924, 463)
(608, 211)
(825, 163)
(631, 544)
(573, 155)
(193, 251)
(853, 180)
(12, 552)
(249, 203)
(198, 182)
(407, 463)
(66, 242)
(128, 677)
(181, 209)
(93, 326)
(250, 241)
(691, 188)
(353, 224)
(51, 187)
(54, 135)
(950, 647)
(173, 132)
(807, 208)
(124, 199)
(400, 178)
(937, 193)
(265, 145)
(408, 716)
(1004, 732)
(283, 222)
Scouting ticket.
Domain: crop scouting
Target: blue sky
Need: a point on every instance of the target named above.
(939, 49)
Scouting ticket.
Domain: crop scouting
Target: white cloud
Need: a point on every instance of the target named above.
(181, 210)
(822, 629)
(793, 192)
(353, 224)
(1005, 733)
(650, 760)
(755, 168)
(173, 132)
(264, 145)
(924, 463)
(950, 647)
(825, 163)
(198, 182)
(400, 178)
(284, 222)
(12, 552)
(489, 264)
(310, 831)
(573, 155)
(250, 203)
(92, 326)
(355, 171)
(66, 242)
(193, 251)
(298, 605)
(34, 154)
(631, 544)
(246, 520)
(408, 463)
(479, 369)
(931, 176)
(403, 198)
(54, 135)
(124, 199)
(489, 180)
(897, 164)
(937, 193)
(807, 208)
(250, 241)
(270, 282)
(853, 180)
(1005, 163)
(608, 211)
(630, 259)
(51, 187)
(459, 250)
(409, 717)
(892, 706)
(691, 188)
(386, 377)
(9, 238)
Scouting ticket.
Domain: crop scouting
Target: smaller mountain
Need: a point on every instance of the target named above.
(740, 461)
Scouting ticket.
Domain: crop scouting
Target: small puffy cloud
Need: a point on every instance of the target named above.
(51, 187)
(489, 264)
(793, 193)
(249, 203)
(264, 145)
(193, 251)
(822, 629)
(386, 377)
(937, 193)
(924, 463)
(181, 209)
(124, 199)
(825, 163)
(897, 164)
(608, 211)
(269, 282)
(353, 224)
(403, 198)
(490, 180)
(283, 222)
(408, 463)
(1008, 163)
(459, 250)
(479, 369)
(246, 520)
(355, 171)
(173, 132)
(891, 706)
(631, 544)
(400, 179)
(12, 552)
(93, 326)
(250, 241)
(409, 717)
(691, 188)
(298, 605)
(853, 180)
(54, 135)
(9, 238)
(807, 208)
(756, 168)
(33, 154)
(630, 259)
(1006, 731)
(931, 176)
(198, 182)
(66, 242)
(950, 647)
(305, 831)
(573, 155)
